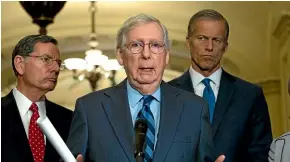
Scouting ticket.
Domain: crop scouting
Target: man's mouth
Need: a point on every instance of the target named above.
(146, 69)
(52, 79)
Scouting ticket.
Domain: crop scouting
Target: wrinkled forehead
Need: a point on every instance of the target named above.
(200, 23)
(47, 48)
(145, 31)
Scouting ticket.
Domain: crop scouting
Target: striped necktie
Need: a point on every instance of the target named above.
(145, 113)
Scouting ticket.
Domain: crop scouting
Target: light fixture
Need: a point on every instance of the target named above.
(95, 65)
(42, 12)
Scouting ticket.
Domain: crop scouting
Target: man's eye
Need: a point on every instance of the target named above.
(156, 45)
(218, 40)
(201, 38)
(46, 59)
(135, 45)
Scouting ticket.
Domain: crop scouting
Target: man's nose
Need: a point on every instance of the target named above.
(146, 53)
(209, 45)
(55, 66)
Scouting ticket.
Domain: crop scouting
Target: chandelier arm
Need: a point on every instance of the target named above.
(95, 66)
(93, 10)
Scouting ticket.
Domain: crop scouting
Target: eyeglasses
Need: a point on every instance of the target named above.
(136, 47)
(47, 60)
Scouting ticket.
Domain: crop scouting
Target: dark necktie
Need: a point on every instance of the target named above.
(35, 136)
(208, 95)
(145, 113)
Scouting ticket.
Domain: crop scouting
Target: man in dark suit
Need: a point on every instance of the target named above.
(103, 123)
(238, 109)
(36, 64)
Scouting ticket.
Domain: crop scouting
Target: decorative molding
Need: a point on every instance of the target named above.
(270, 86)
(283, 24)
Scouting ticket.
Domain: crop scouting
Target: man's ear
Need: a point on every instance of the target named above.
(167, 57)
(19, 64)
(119, 55)
(226, 46)
(187, 42)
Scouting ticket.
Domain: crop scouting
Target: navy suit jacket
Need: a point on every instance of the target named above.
(241, 124)
(102, 128)
(14, 142)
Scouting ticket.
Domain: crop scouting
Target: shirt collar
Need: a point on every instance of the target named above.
(196, 77)
(135, 96)
(23, 103)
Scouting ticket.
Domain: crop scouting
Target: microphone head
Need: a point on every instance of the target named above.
(141, 125)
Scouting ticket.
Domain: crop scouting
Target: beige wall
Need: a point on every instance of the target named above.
(281, 47)
(258, 48)
(274, 105)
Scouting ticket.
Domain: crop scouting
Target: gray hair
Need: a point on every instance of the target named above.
(135, 21)
(26, 46)
(207, 14)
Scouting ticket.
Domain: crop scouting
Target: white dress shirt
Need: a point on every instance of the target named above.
(23, 104)
(198, 86)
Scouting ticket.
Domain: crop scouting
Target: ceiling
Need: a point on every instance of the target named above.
(249, 23)
(251, 28)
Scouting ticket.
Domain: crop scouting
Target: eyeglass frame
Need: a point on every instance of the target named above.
(50, 60)
(129, 46)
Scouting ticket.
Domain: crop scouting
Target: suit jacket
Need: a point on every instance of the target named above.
(102, 128)
(14, 141)
(280, 148)
(241, 124)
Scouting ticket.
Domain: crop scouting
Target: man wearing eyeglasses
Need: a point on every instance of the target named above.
(103, 123)
(36, 64)
(238, 110)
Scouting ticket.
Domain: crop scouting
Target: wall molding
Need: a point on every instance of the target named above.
(282, 28)
(270, 86)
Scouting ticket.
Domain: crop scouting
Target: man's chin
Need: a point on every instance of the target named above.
(207, 67)
(50, 87)
(146, 81)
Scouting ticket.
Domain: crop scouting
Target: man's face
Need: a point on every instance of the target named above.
(144, 67)
(37, 72)
(207, 44)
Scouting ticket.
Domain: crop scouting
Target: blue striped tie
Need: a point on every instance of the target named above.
(208, 95)
(145, 113)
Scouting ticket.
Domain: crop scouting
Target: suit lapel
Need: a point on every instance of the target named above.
(226, 91)
(16, 129)
(49, 149)
(170, 113)
(185, 82)
(117, 109)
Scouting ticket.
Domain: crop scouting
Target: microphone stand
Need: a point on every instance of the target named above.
(139, 156)
(140, 135)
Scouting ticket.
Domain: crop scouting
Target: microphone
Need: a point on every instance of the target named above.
(140, 135)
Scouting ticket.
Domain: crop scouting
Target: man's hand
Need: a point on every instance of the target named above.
(81, 159)
(219, 159)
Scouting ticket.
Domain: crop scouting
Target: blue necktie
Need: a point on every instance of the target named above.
(145, 113)
(208, 95)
